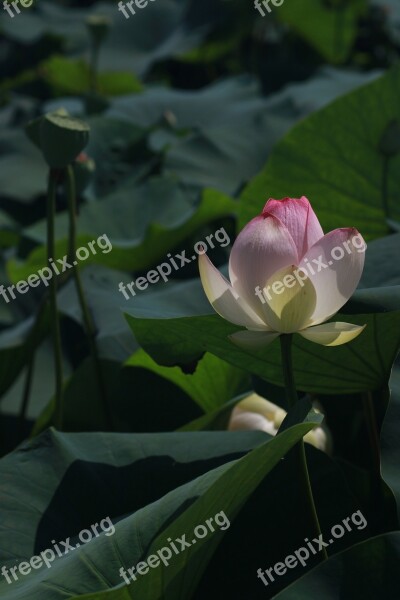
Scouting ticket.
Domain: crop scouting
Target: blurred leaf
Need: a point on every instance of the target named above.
(107, 304)
(143, 225)
(330, 26)
(16, 345)
(226, 156)
(215, 105)
(23, 171)
(133, 44)
(42, 384)
(68, 76)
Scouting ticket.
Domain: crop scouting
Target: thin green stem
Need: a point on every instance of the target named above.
(370, 419)
(338, 32)
(27, 392)
(377, 494)
(55, 322)
(94, 65)
(299, 450)
(32, 343)
(89, 325)
(287, 368)
(385, 186)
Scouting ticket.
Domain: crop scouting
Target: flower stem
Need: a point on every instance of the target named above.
(89, 325)
(377, 494)
(338, 32)
(299, 449)
(94, 62)
(55, 322)
(385, 186)
(32, 342)
(370, 419)
(287, 368)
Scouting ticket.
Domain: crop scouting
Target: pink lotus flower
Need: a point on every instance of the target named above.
(286, 276)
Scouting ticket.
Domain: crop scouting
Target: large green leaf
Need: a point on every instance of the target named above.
(230, 493)
(333, 158)
(379, 287)
(213, 383)
(143, 511)
(364, 364)
(380, 270)
(368, 570)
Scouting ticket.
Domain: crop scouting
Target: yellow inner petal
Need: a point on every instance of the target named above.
(290, 299)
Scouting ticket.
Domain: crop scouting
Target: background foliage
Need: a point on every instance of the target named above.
(202, 111)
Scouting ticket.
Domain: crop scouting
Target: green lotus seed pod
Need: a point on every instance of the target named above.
(62, 139)
(33, 128)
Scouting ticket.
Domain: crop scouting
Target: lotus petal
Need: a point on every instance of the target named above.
(290, 301)
(253, 340)
(332, 334)
(299, 219)
(263, 247)
(224, 299)
(335, 264)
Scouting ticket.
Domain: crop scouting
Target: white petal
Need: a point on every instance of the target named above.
(253, 340)
(245, 420)
(224, 299)
(335, 265)
(318, 438)
(258, 404)
(290, 301)
(332, 334)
